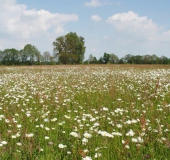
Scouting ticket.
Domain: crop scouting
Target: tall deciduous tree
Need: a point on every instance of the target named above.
(46, 56)
(113, 58)
(106, 57)
(10, 57)
(127, 58)
(155, 59)
(163, 60)
(30, 54)
(69, 49)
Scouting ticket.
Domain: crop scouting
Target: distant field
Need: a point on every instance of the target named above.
(84, 112)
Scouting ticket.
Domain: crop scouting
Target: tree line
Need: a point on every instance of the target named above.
(128, 59)
(26, 56)
(70, 49)
(29, 55)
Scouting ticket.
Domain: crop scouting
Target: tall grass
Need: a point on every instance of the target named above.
(85, 112)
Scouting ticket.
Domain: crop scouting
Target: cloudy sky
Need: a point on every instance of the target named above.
(122, 27)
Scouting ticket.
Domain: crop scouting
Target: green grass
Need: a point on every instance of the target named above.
(124, 109)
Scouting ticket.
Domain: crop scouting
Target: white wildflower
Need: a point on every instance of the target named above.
(87, 158)
(19, 144)
(130, 133)
(4, 142)
(84, 141)
(87, 135)
(97, 155)
(54, 119)
(62, 146)
(74, 134)
(46, 137)
(29, 135)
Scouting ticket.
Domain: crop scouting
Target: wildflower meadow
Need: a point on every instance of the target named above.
(85, 112)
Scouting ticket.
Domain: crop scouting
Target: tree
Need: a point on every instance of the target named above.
(147, 59)
(69, 49)
(138, 59)
(92, 59)
(155, 59)
(100, 61)
(30, 54)
(106, 57)
(46, 56)
(6, 56)
(121, 61)
(113, 58)
(127, 58)
(10, 57)
(1, 57)
(163, 60)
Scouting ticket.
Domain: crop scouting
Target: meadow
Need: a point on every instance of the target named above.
(102, 112)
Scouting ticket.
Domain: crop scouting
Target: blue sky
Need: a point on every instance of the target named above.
(137, 27)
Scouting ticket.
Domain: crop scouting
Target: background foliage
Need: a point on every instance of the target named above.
(70, 49)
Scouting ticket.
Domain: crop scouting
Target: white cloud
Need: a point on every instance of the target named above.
(96, 18)
(138, 34)
(165, 37)
(94, 3)
(22, 24)
(59, 30)
(29, 23)
(133, 25)
(133, 28)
